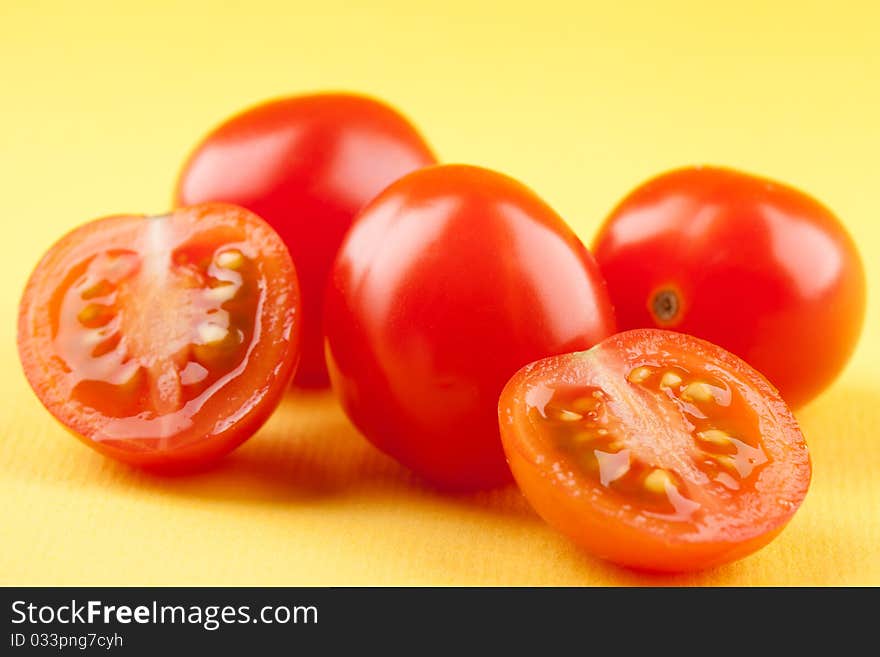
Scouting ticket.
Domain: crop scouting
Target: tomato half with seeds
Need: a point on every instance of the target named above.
(163, 341)
(755, 266)
(655, 450)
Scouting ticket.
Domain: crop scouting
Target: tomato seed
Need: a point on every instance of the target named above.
(582, 437)
(231, 259)
(698, 391)
(211, 333)
(221, 293)
(657, 481)
(95, 315)
(725, 461)
(94, 290)
(715, 437)
(584, 404)
(639, 374)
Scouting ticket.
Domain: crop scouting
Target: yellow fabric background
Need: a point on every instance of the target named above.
(100, 102)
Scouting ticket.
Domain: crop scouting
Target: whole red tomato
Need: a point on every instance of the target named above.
(752, 265)
(448, 282)
(306, 165)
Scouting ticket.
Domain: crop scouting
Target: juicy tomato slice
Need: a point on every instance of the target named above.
(163, 341)
(655, 450)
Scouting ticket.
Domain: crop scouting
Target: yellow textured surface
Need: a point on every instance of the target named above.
(581, 100)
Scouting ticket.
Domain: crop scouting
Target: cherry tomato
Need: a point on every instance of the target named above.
(655, 450)
(448, 282)
(752, 265)
(307, 165)
(163, 341)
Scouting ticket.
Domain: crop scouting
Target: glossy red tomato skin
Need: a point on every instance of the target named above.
(760, 268)
(306, 164)
(616, 529)
(251, 390)
(449, 281)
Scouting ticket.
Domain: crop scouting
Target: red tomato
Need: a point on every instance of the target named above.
(655, 450)
(448, 282)
(162, 341)
(307, 165)
(752, 265)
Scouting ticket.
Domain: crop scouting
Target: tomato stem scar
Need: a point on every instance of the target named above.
(665, 305)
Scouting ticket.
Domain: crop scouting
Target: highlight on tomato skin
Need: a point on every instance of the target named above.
(306, 164)
(655, 450)
(163, 342)
(449, 281)
(750, 264)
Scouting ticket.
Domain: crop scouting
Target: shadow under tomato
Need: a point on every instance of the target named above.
(309, 451)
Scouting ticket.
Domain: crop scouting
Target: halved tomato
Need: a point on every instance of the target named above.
(655, 450)
(163, 341)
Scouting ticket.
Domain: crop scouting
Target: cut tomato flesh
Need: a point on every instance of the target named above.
(140, 334)
(165, 317)
(657, 439)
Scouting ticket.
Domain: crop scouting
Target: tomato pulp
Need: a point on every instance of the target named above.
(752, 265)
(448, 282)
(307, 165)
(655, 450)
(163, 341)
